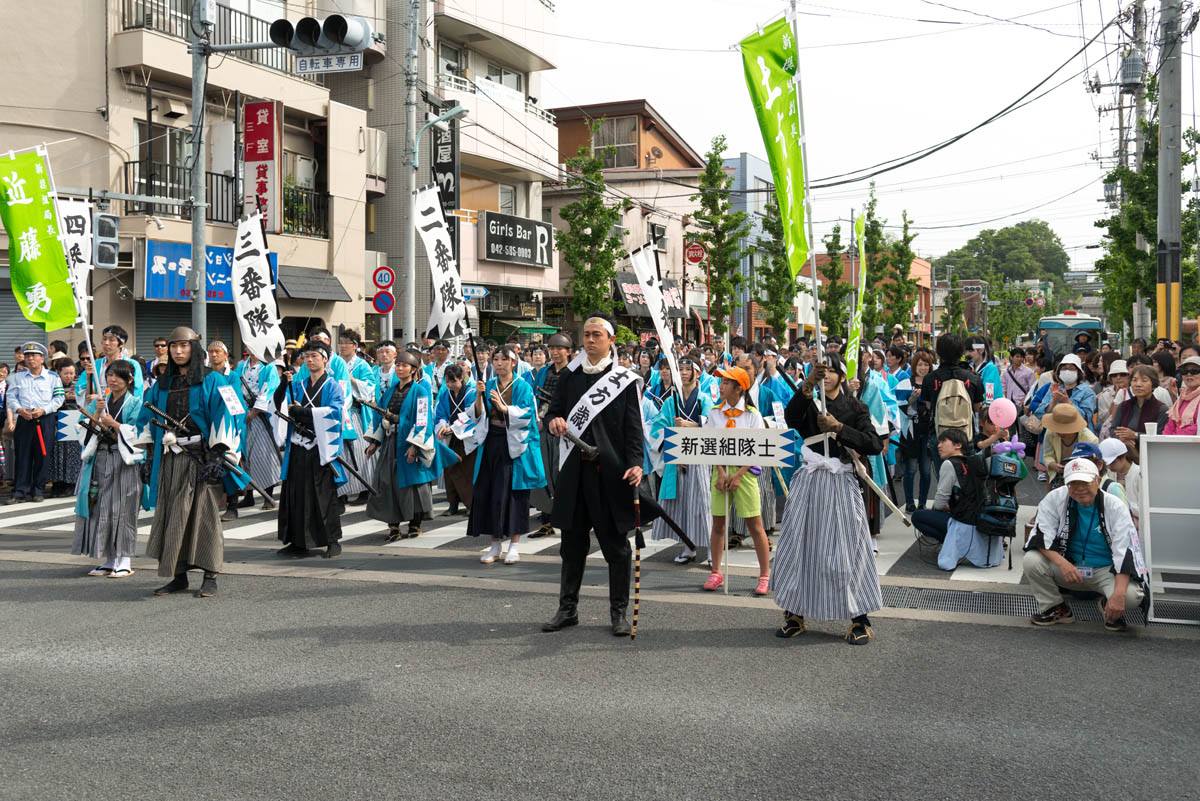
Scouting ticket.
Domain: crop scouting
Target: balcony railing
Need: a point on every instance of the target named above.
(305, 212)
(158, 179)
(174, 18)
(498, 94)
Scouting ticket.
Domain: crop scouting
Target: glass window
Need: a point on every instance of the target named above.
(547, 214)
(621, 133)
(508, 199)
(504, 76)
(764, 195)
(449, 59)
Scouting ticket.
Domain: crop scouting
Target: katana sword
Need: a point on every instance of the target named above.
(168, 423)
(305, 431)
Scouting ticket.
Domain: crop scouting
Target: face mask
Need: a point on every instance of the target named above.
(1068, 377)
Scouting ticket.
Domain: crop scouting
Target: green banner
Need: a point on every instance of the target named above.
(852, 344)
(769, 59)
(35, 253)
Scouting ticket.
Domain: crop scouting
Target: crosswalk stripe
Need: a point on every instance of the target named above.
(436, 538)
(652, 547)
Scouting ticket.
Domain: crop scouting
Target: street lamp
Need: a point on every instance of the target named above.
(410, 240)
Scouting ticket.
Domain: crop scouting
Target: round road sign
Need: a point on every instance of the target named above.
(1041, 301)
(383, 277)
(694, 253)
(1028, 301)
(383, 302)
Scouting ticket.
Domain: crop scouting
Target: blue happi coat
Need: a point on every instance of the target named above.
(873, 399)
(523, 440)
(417, 430)
(128, 416)
(771, 391)
(361, 371)
(340, 373)
(327, 412)
(699, 404)
(444, 414)
(136, 388)
(208, 410)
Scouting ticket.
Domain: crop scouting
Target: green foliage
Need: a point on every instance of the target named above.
(836, 294)
(875, 245)
(1125, 268)
(1012, 318)
(625, 335)
(899, 290)
(722, 231)
(1029, 249)
(774, 284)
(588, 243)
(953, 321)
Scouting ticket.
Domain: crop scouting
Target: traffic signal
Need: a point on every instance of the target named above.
(335, 35)
(105, 247)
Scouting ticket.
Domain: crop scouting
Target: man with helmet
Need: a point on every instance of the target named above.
(188, 463)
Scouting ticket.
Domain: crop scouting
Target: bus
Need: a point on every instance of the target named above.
(1060, 330)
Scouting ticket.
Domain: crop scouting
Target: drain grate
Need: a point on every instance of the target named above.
(1009, 605)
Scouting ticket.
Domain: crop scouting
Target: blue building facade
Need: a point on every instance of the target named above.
(752, 182)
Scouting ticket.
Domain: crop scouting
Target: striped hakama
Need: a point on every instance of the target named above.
(823, 566)
(691, 507)
(355, 451)
(109, 531)
(186, 532)
(262, 455)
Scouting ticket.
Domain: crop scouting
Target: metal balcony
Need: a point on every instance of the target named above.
(158, 179)
(174, 18)
(305, 212)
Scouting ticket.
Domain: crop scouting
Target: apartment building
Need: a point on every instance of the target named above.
(120, 92)
(654, 169)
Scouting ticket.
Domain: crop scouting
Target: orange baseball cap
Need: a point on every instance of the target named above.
(736, 374)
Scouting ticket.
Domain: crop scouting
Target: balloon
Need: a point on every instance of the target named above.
(1002, 412)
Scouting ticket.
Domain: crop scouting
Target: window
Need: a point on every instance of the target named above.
(765, 194)
(167, 150)
(507, 77)
(449, 59)
(620, 133)
(547, 214)
(508, 199)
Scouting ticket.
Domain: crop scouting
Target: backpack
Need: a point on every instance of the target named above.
(998, 515)
(954, 409)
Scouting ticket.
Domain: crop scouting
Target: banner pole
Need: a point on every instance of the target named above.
(726, 554)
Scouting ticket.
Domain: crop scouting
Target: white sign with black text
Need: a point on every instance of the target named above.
(448, 317)
(253, 292)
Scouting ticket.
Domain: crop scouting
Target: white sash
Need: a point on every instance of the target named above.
(594, 401)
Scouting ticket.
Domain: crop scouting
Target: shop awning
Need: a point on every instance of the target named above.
(308, 283)
(527, 326)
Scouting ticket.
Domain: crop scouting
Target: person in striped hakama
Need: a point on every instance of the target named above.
(360, 383)
(109, 487)
(823, 563)
(256, 383)
(187, 467)
(684, 492)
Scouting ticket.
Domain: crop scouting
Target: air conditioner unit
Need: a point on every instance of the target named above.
(490, 303)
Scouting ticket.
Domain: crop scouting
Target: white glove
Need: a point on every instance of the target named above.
(169, 439)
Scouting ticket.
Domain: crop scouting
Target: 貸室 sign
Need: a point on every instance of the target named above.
(262, 151)
(516, 240)
(168, 265)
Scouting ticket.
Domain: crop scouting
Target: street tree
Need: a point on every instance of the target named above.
(773, 282)
(875, 249)
(953, 321)
(836, 294)
(899, 290)
(1029, 249)
(722, 230)
(589, 244)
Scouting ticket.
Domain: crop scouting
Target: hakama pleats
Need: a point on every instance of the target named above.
(691, 507)
(110, 530)
(310, 511)
(391, 504)
(823, 564)
(262, 456)
(355, 452)
(186, 532)
(497, 510)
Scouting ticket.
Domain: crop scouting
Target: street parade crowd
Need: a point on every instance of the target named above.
(573, 433)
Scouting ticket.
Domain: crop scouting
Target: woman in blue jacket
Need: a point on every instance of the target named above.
(508, 462)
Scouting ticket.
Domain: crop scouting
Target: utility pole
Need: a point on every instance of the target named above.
(410, 176)
(1139, 138)
(1169, 168)
(198, 279)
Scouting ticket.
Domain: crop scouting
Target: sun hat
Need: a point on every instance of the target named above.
(1064, 419)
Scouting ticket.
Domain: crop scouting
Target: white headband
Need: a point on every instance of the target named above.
(600, 321)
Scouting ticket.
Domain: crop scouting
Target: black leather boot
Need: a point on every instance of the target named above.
(620, 626)
(561, 620)
(568, 598)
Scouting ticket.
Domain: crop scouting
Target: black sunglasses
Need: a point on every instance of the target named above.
(1191, 371)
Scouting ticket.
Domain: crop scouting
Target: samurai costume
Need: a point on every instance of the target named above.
(109, 489)
(595, 498)
(257, 383)
(823, 562)
(339, 372)
(187, 467)
(544, 382)
(310, 507)
(454, 412)
(684, 492)
(359, 383)
(874, 394)
(85, 384)
(508, 463)
(401, 488)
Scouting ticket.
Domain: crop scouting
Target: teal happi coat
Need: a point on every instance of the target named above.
(330, 398)
(127, 417)
(770, 392)
(523, 440)
(415, 427)
(699, 403)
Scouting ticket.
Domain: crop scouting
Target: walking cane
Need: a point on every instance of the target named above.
(638, 542)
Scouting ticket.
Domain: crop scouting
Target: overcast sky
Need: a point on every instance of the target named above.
(865, 103)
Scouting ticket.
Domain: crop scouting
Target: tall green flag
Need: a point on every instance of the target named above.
(770, 62)
(852, 346)
(36, 259)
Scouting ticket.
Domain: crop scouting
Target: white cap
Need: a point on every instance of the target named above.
(1080, 470)
(1070, 358)
(1117, 367)
(1190, 360)
(1112, 449)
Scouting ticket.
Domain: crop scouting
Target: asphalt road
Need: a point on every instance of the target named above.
(305, 688)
